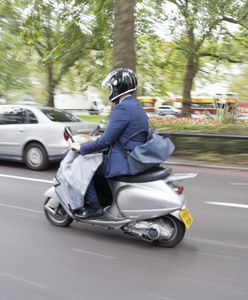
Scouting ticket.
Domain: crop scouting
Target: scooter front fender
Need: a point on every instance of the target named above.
(50, 193)
(55, 201)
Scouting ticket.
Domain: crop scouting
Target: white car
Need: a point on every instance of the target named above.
(164, 110)
(35, 135)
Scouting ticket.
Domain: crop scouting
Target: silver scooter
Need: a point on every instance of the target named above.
(150, 206)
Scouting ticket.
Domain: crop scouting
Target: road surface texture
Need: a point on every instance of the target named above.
(39, 261)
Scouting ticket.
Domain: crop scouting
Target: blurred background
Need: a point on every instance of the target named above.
(190, 58)
(178, 48)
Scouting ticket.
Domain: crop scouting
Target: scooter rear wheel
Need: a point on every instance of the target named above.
(178, 231)
(59, 218)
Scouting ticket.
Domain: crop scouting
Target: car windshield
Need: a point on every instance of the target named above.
(57, 115)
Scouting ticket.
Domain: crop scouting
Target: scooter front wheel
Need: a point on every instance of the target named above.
(177, 229)
(58, 216)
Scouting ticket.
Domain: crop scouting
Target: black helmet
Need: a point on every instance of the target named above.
(121, 82)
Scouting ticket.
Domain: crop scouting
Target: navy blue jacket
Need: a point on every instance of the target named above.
(127, 118)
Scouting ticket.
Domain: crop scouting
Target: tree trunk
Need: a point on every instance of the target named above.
(124, 34)
(191, 71)
(50, 85)
(50, 66)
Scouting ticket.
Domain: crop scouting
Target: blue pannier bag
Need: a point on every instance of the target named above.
(155, 151)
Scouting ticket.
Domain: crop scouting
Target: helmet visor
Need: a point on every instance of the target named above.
(107, 79)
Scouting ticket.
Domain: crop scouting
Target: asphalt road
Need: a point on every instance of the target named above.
(39, 261)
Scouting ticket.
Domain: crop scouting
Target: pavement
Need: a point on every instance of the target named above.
(39, 261)
(204, 164)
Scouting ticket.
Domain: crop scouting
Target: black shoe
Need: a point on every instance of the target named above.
(92, 212)
(78, 211)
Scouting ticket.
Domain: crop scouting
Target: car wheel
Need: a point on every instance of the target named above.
(35, 157)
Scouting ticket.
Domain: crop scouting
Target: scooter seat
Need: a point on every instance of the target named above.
(153, 174)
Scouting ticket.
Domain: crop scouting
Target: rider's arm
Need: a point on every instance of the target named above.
(117, 123)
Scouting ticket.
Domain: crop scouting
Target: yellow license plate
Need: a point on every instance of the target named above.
(186, 217)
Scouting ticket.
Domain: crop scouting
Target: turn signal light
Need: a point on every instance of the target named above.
(179, 190)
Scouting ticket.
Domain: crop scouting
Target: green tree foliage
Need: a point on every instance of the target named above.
(96, 63)
(13, 71)
(159, 66)
(61, 34)
(239, 84)
(74, 43)
(199, 27)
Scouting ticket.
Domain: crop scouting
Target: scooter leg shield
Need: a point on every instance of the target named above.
(53, 201)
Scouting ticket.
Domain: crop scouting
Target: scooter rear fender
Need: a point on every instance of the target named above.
(176, 213)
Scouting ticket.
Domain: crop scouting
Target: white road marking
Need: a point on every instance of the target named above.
(26, 178)
(24, 280)
(158, 297)
(228, 204)
(93, 253)
(220, 256)
(239, 183)
(217, 243)
(21, 208)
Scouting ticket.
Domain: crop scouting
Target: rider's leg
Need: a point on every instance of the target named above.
(90, 195)
(93, 208)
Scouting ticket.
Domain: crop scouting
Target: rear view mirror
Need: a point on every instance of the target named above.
(68, 134)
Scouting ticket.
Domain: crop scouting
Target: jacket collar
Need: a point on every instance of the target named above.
(128, 95)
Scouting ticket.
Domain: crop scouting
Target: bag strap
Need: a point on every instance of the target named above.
(121, 146)
(133, 135)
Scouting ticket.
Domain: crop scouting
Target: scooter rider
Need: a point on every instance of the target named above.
(127, 119)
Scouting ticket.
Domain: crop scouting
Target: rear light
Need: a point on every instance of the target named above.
(179, 190)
